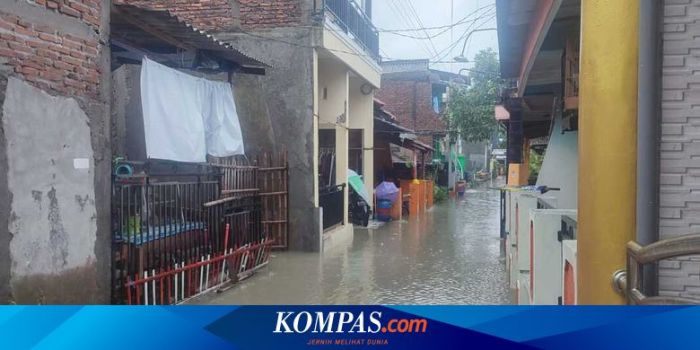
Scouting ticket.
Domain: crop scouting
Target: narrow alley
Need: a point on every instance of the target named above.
(449, 255)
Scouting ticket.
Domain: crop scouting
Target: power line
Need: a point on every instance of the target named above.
(444, 28)
(350, 52)
(448, 26)
(415, 14)
(445, 52)
(408, 19)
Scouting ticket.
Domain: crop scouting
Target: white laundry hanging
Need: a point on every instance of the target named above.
(186, 117)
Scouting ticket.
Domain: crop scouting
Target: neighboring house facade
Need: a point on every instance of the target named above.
(417, 96)
(319, 92)
(62, 115)
(316, 97)
(545, 102)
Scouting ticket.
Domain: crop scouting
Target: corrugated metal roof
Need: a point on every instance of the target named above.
(151, 28)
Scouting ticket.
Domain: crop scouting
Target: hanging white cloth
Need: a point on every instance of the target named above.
(186, 117)
(223, 130)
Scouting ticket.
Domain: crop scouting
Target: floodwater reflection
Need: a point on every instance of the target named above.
(449, 255)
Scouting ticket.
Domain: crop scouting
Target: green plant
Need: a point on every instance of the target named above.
(535, 164)
(470, 109)
(439, 194)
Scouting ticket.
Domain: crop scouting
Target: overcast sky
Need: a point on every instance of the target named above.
(397, 14)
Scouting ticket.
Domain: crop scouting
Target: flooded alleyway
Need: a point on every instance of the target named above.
(449, 255)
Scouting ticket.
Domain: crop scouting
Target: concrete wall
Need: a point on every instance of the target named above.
(128, 135)
(287, 92)
(560, 167)
(679, 212)
(55, 156)
(333, 81)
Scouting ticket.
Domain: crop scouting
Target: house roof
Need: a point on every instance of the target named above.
(159, 31)
(393, 132)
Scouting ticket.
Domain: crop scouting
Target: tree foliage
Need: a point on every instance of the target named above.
(471, 108)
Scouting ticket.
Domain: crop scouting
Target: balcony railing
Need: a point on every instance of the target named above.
(332, 200)
(353, 21)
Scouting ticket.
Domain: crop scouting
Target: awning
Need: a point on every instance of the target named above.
(393, 133)
(136, 32)
(400, 155)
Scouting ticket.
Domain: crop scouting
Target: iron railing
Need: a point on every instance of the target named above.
(353, 21)
(332, 200)
(176, 235)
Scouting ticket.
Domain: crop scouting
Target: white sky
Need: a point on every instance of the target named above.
(396, 14)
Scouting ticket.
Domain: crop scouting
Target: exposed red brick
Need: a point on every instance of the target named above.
(48, 59)
(399, 97)
(86, 10)
(218, 15)
(211, 15)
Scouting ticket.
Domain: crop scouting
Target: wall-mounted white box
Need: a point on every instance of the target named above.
(546, 255)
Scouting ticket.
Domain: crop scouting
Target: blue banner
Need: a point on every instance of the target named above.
(383, 327)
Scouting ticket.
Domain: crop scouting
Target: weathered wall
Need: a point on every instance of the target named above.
(50, 174)
(54, 152)
(275, 110)
(287, 92)
(680, 142)
(256, 14)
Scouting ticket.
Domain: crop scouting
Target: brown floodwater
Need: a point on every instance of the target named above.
(449, 255)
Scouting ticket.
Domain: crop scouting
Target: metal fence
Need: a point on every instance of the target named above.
(173, 240)
(332, 200)
(351, 19)
(267, 177)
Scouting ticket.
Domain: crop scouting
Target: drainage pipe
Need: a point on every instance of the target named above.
(648, 115)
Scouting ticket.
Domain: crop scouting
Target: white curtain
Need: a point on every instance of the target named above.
(186, 117)
(223, 130)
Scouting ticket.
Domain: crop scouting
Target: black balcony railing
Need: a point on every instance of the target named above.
(353, 21)
(332, 200)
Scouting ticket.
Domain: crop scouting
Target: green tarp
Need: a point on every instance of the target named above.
(358, 185)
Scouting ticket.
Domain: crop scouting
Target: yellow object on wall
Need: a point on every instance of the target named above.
(517, 174)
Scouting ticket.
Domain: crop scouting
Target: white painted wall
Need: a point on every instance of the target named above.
(560, 167)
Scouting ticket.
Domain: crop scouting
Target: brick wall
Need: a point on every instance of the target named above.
(86, 10)
(399, 96)
(680, 142)
(270, 13)
(210, 15)
(222, 15)
(56, 62)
